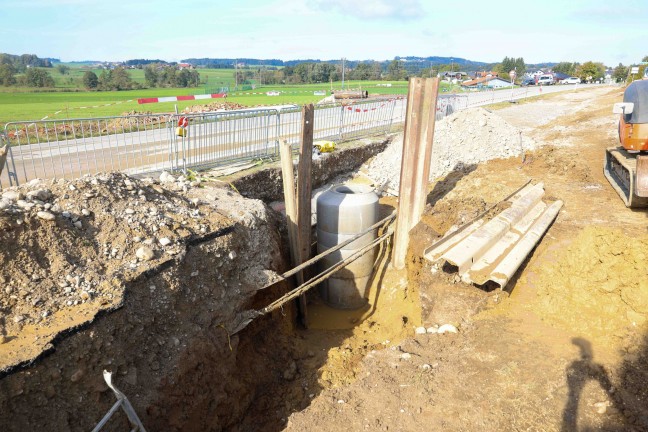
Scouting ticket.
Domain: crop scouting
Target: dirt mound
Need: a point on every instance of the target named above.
(139, 277)
(600, 276)
(214, 106)
(460, 142)
(553, 160)
(69, 247)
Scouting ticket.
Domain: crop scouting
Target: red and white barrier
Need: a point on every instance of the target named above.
(181, 98)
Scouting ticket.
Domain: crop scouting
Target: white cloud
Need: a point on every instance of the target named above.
(396, 9)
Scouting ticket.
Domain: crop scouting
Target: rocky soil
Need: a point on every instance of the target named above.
(461, 141)
(133, 276)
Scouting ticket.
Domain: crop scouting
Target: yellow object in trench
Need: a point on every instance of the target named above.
(324, 146)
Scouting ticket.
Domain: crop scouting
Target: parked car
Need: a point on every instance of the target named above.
(545, 80)
(571, 80)
(528, 82)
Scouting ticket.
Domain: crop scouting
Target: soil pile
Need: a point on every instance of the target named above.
(214, 106)
(69, 247)
(460, 141)
(169, 264)
(601, 276)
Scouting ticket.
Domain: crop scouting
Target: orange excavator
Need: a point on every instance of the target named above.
(626, 166)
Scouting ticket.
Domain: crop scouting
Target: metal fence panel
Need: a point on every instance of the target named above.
(367, 117)
(148, 143)
(213, 138)
(151, 143)
(72, 148)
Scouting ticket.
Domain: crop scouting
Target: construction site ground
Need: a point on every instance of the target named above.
(564, 348)
(567, 350)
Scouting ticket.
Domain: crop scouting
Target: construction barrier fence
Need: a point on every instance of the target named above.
(139, 144)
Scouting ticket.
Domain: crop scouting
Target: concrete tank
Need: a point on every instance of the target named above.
(342, 212)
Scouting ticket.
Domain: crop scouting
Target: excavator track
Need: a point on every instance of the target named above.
(621, 171)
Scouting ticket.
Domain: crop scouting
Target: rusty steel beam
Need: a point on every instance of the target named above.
(418, 138)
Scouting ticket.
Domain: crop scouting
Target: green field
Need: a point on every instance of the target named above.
(66, 102)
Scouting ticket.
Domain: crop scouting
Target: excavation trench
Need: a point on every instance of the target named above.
(165, 328)
(163, 323)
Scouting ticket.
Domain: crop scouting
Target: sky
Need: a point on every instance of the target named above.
(539, 31)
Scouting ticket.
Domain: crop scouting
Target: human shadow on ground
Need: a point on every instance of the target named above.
(579, 372)
(626, 389)
(631, 389)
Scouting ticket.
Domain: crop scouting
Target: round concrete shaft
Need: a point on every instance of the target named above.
(342, 212)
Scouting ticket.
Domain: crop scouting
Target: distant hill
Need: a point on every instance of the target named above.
(434, 60)
(547, 65)
(410, 63)
(413, 64)
(227, 63)
(136, 62)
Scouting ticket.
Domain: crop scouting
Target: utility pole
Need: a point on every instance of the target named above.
(343, 59)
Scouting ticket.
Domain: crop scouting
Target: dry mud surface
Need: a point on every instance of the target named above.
(566, 348)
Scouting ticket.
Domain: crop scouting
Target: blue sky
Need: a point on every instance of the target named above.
(538, 30)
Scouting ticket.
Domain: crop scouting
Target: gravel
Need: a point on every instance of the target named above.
(460, 142)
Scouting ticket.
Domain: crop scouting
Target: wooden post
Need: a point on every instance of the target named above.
(304, 193)
(418, 138)
(288, 176)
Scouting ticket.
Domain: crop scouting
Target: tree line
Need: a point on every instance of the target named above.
(161, 75)
(26, 64)
(155, 75)
(595, 71)
(21, 62)
(30, 71)
(322, 72)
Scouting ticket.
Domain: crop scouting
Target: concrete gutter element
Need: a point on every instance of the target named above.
(493, 251)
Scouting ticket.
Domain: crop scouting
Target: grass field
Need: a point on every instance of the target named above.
(65, 102)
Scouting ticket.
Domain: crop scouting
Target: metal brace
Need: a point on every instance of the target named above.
(122, 401)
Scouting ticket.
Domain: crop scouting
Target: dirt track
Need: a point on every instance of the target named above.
(567, 350)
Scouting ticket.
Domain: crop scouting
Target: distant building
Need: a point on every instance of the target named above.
(185, 66)
(454, 75)
(488, 82)
(558, 77)
(484, 74)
